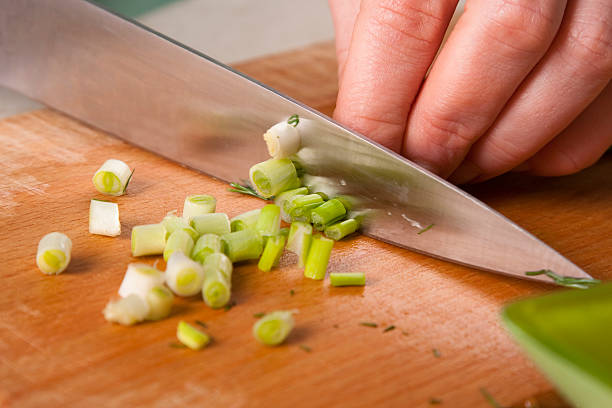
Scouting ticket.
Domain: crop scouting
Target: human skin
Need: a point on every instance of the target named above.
(519, 85)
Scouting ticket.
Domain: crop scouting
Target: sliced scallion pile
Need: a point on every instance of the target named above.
(53, 254)
(112, 178)
(191, 337)
(198, 205)
(273, 328)
(104, 218)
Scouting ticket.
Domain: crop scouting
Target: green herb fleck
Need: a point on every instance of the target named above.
(201, 323)
(436, 353)
(246, 189)
(229, 305)
(258, 315)
(388, 328)
(99, 199)
(292, 292)
(369, 324)
(435, 401)
(129, 179)
(567, 281)
(490, 398)
(177, 345)
(427, 228)
(305, 348)
(293, 120)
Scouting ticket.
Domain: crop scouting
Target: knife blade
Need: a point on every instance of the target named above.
(131, 81)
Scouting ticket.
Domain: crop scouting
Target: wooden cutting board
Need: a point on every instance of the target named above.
(57, 350)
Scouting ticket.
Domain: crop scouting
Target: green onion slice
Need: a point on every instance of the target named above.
(112, 177)
(171, 223)
(347, 279)
(272, 252)
(216, 290)
(198, 205)
(206, 245)
(159, 299)
(53, 254)
(126, 311)
(273, 328)
(274, 176)
(184, 275)
(148, 239)
(242, 245)
(282, 140)
(104, 218)
(245, 220)
(268, 223)
(299, 240)
(327, 213)
(341, 229)
(191, 337)
(215, 223)
(179, 241)
(318, 257)
(139, 279)
(282, 199)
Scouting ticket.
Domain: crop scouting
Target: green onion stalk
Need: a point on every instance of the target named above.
(206, 245)
(274, 176)
(318, 257)
(272, 252)
(299, 240)
(245, 220)
(327, 213)
(242, 245)
(341, 229)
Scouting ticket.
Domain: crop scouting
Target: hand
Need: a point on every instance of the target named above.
(520, 84)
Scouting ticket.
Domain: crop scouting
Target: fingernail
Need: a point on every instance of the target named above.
(464, 173)
(521, 168)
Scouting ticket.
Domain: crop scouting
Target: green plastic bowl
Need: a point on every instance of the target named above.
(568, 334)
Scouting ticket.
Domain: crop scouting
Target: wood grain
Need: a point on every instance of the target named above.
(57, 350)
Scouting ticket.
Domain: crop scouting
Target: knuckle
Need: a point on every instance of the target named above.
(565, 162)
(448, 132)
(408, 22)
(522, 26)
(590, 45)
(504, 152)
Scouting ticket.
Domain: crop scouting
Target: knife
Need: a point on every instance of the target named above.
(148, 89)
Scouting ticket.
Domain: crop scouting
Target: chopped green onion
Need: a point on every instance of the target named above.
(191, 337)
(184, 275)
(242, 245)
(567, 281)
(274, 176)
(282, 140)
(305, 348)
(201, 324)
(216, 290)
(206, 245)
(180, 241)
(273, 328)
(104, 218)
(215, 223)
(291, 292)
(159, 300)
(347, 279)
(112, 177)
(246, 189)
(53, 254)
(369, 324)
(282, 199)
(389, 328)
(198, 205)
(427, 228)
(139, 279)
(327, 213)
(299, 207)
(341, 229)
(258, 315)
(126, 311)
(268, 223)
(300, 238)
(435, 401)
(220, 262)
(293, 120)
(245, 220)
(436, 353)
(171, 223)
(148, 239)
(272, 252)
(318, 257)
(487, 396)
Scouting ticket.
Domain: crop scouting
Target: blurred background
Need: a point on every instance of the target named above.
(228, 30)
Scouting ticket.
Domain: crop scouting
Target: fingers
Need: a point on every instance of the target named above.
(344, 13)
(581, 144)
(492, 49)
(572, 73)
(393, 43)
